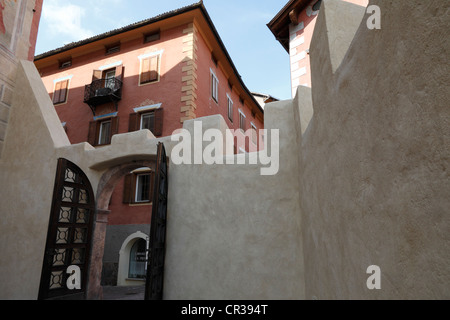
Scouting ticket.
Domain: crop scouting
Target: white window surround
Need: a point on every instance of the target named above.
(148, 108)
(150, 54)
(230, 105)
(110, 65)
(63, 79)
(214, 86)
(105, 116)
(141, 170)
(124, 258)
(138, 181)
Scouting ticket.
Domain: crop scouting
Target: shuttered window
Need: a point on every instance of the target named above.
(101, 131)
(60, 92)
(104, 136)
(150, 69)
(152, 120)
(138, 186)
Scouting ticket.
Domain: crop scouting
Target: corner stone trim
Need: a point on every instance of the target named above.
(189, 70)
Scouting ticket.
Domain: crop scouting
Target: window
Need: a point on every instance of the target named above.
(241, 121)
(149, 69)
(148, 121)
(60, 92)
(254, 134)
(143, 188)
(138, 257)
(65, 64)
(113, 48)
(230, 109)
(150, 37)
(105, 132)
(109, 77)
(214, 87)
(101, 131)
(138, 186)
(151, 120)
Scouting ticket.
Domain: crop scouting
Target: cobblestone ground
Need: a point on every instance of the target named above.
(123, 293)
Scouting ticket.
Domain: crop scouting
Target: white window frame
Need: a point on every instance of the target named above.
(144, 115)
(101, 130)
(136, 193)
(214, 87)
(110, 74)
(230, 108)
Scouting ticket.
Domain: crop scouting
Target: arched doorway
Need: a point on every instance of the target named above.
(132, 260)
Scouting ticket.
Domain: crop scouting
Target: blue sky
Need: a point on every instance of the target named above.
(258, 57)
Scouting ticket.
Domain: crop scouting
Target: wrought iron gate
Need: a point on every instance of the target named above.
(69, 233)
(155, 267)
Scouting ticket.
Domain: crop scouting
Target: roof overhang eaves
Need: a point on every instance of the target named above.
(279, 25)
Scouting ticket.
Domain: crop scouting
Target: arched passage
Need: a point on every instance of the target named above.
(105, 190)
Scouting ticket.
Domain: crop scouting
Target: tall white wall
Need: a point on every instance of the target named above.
(375, 181)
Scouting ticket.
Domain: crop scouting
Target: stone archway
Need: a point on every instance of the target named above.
(105, 189)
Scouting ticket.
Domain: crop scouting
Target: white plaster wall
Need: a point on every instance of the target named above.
(375, 182)
(232, 233)
(27, 173)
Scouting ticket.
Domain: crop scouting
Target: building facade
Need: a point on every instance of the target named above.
(366, 185)
(293, 26)
(155, 75)
(19, 22)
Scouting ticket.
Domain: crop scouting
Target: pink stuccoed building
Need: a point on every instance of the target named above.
(154, 74)
(293, 27)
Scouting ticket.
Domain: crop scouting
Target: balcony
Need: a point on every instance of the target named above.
(103, 91)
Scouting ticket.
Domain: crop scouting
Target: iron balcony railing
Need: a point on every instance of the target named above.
(103, 90)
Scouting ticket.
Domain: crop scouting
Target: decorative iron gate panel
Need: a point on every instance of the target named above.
(155, 267)
(69, 233)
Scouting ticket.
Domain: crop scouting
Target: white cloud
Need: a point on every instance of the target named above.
(65, 20)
